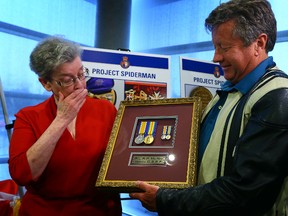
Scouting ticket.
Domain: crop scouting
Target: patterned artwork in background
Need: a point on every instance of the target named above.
(144, 91)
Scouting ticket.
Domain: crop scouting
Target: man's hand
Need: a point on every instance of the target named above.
(148, 197)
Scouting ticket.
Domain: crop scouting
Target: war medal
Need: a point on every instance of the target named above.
(149, 139)
(140, 138)
(164, 132)
(168, 136)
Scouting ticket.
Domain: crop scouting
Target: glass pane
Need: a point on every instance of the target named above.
(156, 23)
(279, 54)
(280, 7)
(4, 172)
(16, 75)
(76, 20)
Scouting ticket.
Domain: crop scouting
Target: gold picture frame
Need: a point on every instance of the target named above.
(155, 141)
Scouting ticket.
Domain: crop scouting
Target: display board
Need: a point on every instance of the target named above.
(120, 75)
(200, 78)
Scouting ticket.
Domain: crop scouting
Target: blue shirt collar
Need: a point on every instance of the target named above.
(250, 79)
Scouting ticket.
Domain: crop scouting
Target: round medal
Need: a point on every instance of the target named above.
(163, 137)
(139, 139)
(148, 139)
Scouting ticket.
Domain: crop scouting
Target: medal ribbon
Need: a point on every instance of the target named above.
(169, 130)
(164, 130)
(142, 127)
(152, 127)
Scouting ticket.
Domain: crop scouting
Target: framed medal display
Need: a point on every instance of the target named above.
(154, 141)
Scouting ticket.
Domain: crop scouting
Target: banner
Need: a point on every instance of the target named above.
(120, 75)
(200, 78)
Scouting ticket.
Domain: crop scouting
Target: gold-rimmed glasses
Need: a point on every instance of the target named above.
(71, 81)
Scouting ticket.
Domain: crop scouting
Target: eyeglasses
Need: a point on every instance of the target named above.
(71, 81)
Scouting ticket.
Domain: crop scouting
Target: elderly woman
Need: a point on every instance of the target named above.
(57, 146)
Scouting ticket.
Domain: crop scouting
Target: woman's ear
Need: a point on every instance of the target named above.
(46, 84)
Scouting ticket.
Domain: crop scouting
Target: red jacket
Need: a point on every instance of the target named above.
(67, 186)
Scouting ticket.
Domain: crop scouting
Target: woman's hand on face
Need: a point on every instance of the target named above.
(68, 107)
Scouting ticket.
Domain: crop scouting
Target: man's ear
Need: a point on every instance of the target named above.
(261, 42)
(46, 84)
